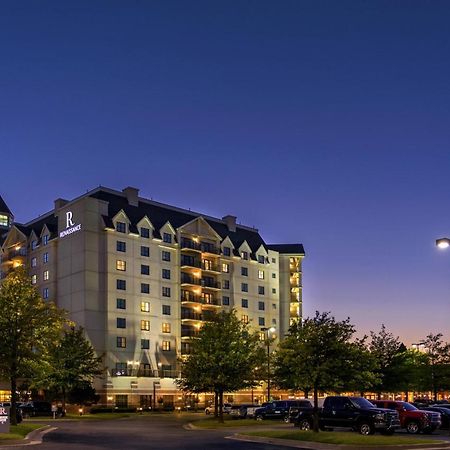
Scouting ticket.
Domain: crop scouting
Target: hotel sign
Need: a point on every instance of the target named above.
(4, 419)
(70, 225)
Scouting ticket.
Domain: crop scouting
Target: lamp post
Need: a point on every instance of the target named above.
(267, 338)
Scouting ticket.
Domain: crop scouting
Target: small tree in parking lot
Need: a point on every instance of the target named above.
(223, 358)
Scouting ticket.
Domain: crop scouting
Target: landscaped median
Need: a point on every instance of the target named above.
(18, 432)
(212, 422)
(343, 439)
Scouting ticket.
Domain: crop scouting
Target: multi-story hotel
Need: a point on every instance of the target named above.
(142, 277)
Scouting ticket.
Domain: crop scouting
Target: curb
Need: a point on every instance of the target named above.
(32, 438)
(323, 446)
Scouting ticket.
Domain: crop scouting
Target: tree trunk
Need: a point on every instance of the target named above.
(221, 406)
(216, 404)
(316, 410)
(306, 393)
(378, 395)
(12, 412)
(64, 401)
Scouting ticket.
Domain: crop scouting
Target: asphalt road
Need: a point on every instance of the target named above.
(142, 432)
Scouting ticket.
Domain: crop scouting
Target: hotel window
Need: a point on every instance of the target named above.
(121, 303)
(166, 327)
(261, 259)
(145, 232)
(145, 270)
(45, 239)
(45, 293)
(145, 344)
(225, 300)
(261, 306)
(167, 238)
(121, 285)
(274, 306)
(121, 227)
(226, 251)
(121, 322)
(121, 246)
(145, 251)
(45, 275)
(121, 342)
(244, 318)
(274, 260)
(165, 256)
(145, 288)
(121, 368)
(165, 291)
(274, 321)
(33, 245)
(261, 274)
(145, 325)
(166, 346)
(261, 321)
(145, 307)
(244, 287)
(166, 310)
(261, 290)
(244, 303)
(33, 262)
(244, 271)
(226, 284)
(225, 268)
(121, 265)
(166, 274)
(274, 275)
(274, 290)
(244, 255)
(4, 222)
(33, 279)
(45, 258)
(207, 264)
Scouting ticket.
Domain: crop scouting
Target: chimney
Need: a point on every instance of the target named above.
(132, 195)
(59, 203)
(230, 222)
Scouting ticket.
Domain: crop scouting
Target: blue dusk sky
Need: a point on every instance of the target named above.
(320, 122)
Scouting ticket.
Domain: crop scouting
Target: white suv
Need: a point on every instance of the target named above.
(226, 409)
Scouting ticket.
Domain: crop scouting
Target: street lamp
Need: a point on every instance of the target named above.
(268, 331)
(443, 243)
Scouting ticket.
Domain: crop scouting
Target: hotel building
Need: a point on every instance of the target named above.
(142, 277)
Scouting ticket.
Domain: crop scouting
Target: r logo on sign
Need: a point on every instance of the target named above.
(69, 221)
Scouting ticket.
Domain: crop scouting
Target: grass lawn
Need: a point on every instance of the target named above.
(99, 416)
(19, 431)
(344, 438)
(211, 422)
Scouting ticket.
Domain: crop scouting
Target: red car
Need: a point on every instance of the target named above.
(413, 419)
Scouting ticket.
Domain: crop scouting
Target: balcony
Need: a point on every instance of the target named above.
(190, 262)
(207, 266)
(189, 279)
(189, 297)
(187, 244)
(209, 283)
(188, 315)
(210, 248)
(188, 333)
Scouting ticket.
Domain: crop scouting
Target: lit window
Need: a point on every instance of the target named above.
(145, 288)
(166, 310)
(45, 293)
(244, 318)
(33, 262)
(165, 256)
(121, 342)
(145, 325)
(33, 279)
(166, 346)
(45, 239)
(166, 291)
(145, 232)
(121, 246)
(145, 306)
(4, 221)
(225, 268)
(46, 275)
(45, 257)
(121, 322)
(261, 274)
(121, 303)
(244, 255)
(145, 344)
(166, 327)
(121, 265)
(166, 274)
(167, 238)
(121, 227)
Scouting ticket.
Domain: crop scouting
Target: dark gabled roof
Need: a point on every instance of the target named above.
(295, 249)
(159, 214)
(4, 207)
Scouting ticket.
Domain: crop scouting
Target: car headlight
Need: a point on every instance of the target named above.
(379, 416)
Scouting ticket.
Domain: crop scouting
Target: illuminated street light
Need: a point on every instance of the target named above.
(268, 331)
(443, 243)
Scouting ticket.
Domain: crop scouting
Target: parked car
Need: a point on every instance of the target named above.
(240, 411)
(36, 408)
(356, 413)
(279, 409)
(443, 410)
(210, 409)
(412, 419)
(251, 409)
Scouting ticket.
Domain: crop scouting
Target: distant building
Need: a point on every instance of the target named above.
(142, 277)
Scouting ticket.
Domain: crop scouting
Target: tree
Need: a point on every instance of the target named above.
(71, 365)
(223, 358)
(319, 355)
(28, 325)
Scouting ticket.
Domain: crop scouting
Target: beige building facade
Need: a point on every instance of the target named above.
(142, 277)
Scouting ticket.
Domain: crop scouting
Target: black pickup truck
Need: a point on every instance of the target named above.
(356, 413)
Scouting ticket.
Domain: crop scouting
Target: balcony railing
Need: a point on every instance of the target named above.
(210, 283)
(210, 267)
(145, 373)
(190, 245)
(192, 315)
(189, 332)
(199, 299)
(188, 279)
(191, 262)
(210, 248)
(205, 247)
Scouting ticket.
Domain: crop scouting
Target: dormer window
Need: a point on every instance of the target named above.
(4, 221)
(167, 238)
(45, 239)
(261, 259)
(33, 245)
(226, 251)
(244, 255)
(145, 232)
(121, 227)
